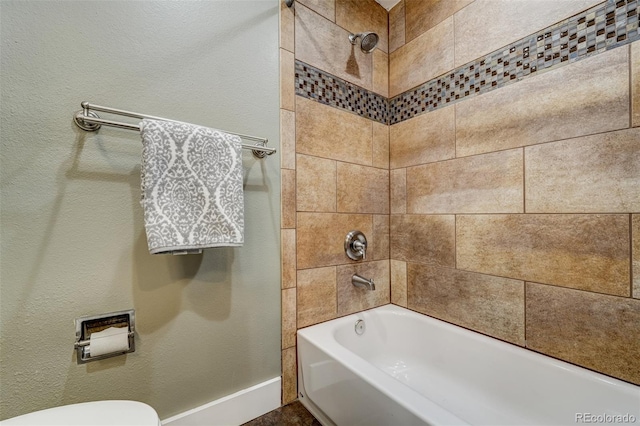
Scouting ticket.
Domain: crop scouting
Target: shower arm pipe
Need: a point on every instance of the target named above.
(87, 120)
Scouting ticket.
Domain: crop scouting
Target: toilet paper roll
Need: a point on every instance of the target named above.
(113, 339)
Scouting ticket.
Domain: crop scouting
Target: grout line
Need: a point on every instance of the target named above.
(572, 138)
(524, 326)
(631, 255)
(404, 195)
(335, 16)
(630, 87)
(372, 143)
(388, 61)
(453, 25)
(404, 13)
(335, 171)
(524, 182)
(335, 272)
(455, 131)
(598, 293)
(511, 278)
(502, 214)
(295, 228)
(455, 241)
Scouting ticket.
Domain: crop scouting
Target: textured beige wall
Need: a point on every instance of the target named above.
(73, 241)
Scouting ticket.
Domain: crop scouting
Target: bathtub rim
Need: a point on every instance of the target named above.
(476, 335)
(311, 334)
(405, 396)
(411, 399)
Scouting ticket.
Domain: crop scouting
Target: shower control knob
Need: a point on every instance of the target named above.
(355, 245)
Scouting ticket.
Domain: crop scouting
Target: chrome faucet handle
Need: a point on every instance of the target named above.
(355, 245)
(361, 248)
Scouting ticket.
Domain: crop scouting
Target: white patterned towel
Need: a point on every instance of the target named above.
(192, 192)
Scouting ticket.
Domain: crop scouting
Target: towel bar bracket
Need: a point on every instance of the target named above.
(261, 154)
(86, 125)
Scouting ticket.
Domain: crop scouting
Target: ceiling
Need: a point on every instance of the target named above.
(388, 4)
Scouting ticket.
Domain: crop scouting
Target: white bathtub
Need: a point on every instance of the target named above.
(409, 369)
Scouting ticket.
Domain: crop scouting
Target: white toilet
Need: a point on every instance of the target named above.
(97, 413)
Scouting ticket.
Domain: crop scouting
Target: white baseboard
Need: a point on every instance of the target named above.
(234, 409)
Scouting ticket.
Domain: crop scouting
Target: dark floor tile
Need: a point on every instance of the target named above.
(293, 414)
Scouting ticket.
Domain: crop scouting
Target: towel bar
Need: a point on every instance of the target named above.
(88, 120)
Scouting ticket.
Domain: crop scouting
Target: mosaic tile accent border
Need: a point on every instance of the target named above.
(603, 27)
(328, 89)
(606, 26)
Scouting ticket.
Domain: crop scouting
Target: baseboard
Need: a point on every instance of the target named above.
(234, 409)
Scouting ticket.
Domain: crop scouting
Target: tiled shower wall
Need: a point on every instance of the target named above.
(335, 171)
(515, 213)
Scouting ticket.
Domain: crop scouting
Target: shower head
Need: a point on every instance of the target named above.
(368, 41)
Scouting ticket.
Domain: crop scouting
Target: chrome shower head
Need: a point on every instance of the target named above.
(368, 41)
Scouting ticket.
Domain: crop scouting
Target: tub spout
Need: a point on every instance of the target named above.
(362, 282)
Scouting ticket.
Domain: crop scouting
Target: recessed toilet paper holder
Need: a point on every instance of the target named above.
(87, 325)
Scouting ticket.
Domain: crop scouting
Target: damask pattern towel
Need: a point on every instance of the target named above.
(192, 192)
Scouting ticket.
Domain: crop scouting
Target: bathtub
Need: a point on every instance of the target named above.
(409, 369)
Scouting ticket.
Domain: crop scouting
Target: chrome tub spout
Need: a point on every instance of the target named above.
(362, 282)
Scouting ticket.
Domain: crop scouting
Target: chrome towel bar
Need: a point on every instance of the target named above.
(88, 120)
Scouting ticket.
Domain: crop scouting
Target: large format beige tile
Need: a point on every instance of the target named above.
(490, 305)
(599, 173)
(380, 145)
(592, 330)
(380, 250)
(428, 239)
(287, 24)
(362, 189)
(586, 97)
(316, 293)
(288, 198)
(288, 318)
(398, 191)
(380, 77)
(396, 26)
(423, 139)
(488, 183)
(635, 231)
(287, 80)
(358, 16)
(289, 375)
(287, 139)
(587, 252)
(313, 120)
(487, 25)
(353, 299)
(315, 184)
(325, 45)
(288, 257)
(421, 59)
(635, 83)
(320, 237)
(398, 282)
(422, 15)
(326, 8)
